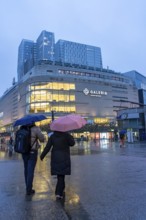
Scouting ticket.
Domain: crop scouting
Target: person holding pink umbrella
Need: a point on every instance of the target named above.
(59, 143)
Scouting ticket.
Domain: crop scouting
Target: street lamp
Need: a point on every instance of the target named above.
(52, 115)
(52, 111)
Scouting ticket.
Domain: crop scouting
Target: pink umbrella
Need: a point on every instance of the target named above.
(68, 123)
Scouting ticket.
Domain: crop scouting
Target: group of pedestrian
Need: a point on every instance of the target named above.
(59, 143)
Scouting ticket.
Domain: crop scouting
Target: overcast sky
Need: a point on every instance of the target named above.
(118, 27)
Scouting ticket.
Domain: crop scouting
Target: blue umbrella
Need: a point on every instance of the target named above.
(123, 132)
(29, 119)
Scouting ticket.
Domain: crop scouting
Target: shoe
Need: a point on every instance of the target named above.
(59, 197)
(30, 192)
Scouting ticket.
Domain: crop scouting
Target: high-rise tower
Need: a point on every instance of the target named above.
(45, 46)
(25, 57)
(31, 53)
(76, 53)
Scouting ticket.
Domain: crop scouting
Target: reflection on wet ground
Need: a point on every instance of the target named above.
(44, 198)
(95, 170)
(87, 148)
(90, 147)
(80, 148)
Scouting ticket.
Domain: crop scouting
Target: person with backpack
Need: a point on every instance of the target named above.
(27, 143)
(59, 143)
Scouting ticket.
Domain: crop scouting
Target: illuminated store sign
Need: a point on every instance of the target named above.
(96, 93)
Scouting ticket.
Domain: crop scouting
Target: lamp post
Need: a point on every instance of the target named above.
(52, 110)
(52, 115)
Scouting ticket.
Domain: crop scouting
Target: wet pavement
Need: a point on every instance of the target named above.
(107, 183)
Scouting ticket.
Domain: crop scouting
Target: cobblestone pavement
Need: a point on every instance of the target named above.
(107, 183)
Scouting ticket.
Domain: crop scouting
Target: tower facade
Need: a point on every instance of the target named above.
(26, 53)
(76, 53)
(45, 46)
(32, 53)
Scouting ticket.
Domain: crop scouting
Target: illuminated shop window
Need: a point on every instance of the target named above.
(66, 98)
(38, 96)
(101, 120)
(43, 107)
(72, 86)
(43, 97)
(66, 86)
(61, 98)
(72, 97)
(55, 98)
(51, 85)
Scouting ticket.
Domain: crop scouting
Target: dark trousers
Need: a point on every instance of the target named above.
(60, 186)
(29, 160)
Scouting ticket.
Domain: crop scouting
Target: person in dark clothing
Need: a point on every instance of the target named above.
(11, 141)
(10, 146)
(122, 140)
(30, 158)
(59, 143)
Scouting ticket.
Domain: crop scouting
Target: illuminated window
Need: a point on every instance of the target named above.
(72, 86)
(72, 97)
(101, 120)
(43, 97)
(66, 86)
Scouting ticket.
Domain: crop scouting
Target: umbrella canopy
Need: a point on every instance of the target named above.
(29, 119)
(68, 123)
(123, 132)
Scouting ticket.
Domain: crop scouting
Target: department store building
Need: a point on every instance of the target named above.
(61, 78)
(95, 94)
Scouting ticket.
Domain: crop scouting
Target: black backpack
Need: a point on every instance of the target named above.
(23, 140)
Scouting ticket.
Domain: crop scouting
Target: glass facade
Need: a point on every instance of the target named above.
(48, 96)
(139, 79)
(144, 97)
(140, 82)
(45, 50)
(25, 57)
(75, 53)
(45, 46)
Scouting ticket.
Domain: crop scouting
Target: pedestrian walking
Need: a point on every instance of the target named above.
(30, 158)
(11, 143)
(59, 143)
(10, 146)
(122, 140)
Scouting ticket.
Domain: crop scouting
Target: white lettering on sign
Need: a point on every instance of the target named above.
(97, 93)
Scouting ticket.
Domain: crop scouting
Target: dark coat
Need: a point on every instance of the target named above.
(59, 143)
